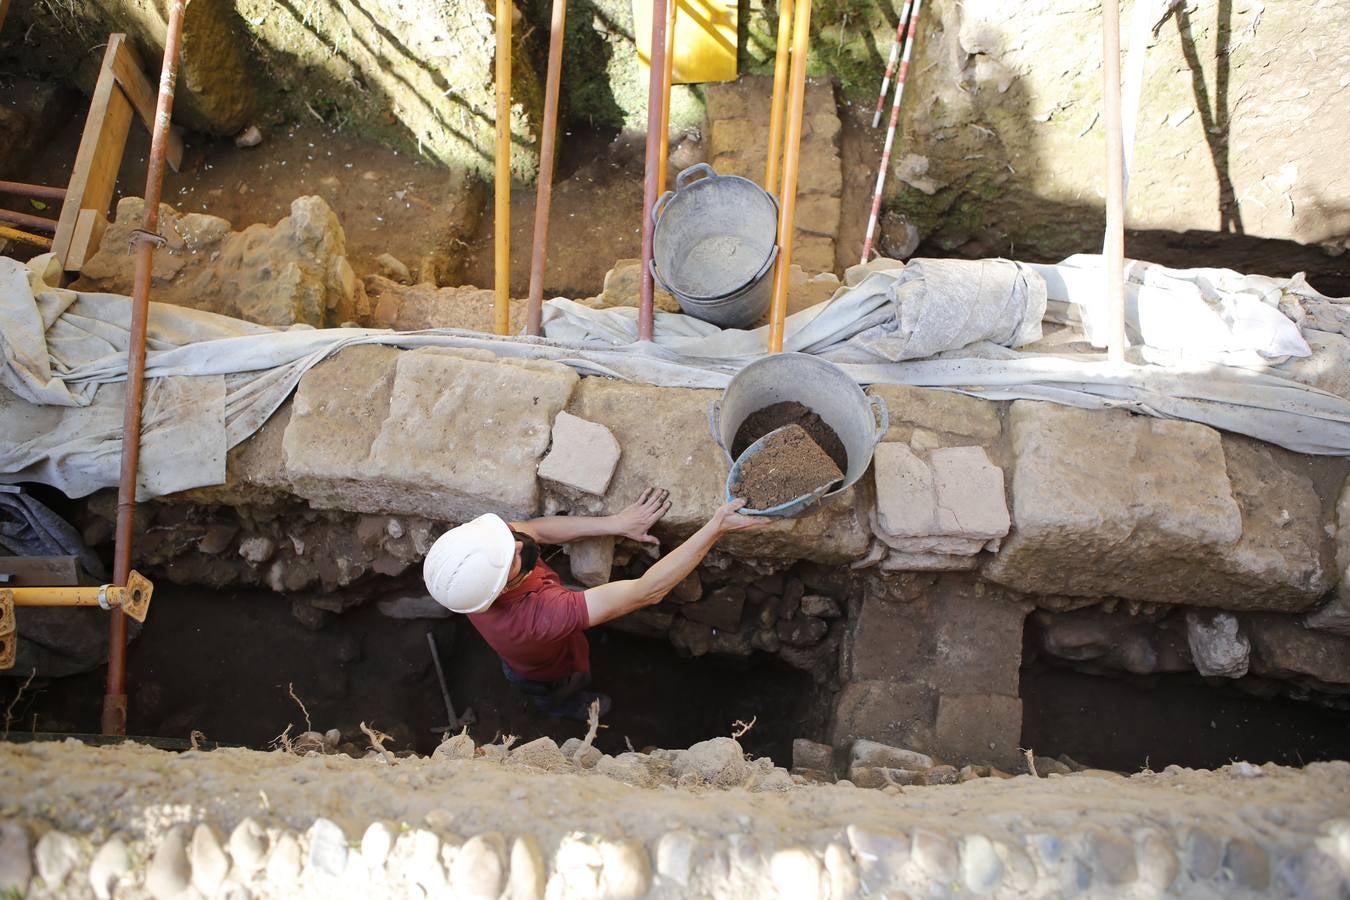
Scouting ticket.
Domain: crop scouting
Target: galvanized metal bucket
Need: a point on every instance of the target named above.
(822, 387)
(714, 246)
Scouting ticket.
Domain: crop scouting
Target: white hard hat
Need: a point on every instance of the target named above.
(469, 565)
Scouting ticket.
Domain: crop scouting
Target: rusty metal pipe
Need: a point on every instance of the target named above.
(501, 308)
(115, 698)
(787, 209)
(1113, 248)
(780, 77)
(36, 223)
(667, 73)
(40, 191)
(653, 162)
(544, 192)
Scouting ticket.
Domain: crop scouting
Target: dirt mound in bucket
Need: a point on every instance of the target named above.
(789, 412)
(788, 465)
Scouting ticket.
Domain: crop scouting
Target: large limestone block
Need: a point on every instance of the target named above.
(433, 432)
(1110, 504)
(943, 413)
(888, 712)
(959, 636)
(1334, 615)
(665, 441)
(979, 729)
(295, 271)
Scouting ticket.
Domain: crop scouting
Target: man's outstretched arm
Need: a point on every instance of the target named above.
(618, 598)
(633, 522)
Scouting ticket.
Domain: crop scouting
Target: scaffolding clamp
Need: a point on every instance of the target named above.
(133, 600)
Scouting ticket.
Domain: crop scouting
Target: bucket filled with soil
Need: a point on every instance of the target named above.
(782, 473)
(806, 391)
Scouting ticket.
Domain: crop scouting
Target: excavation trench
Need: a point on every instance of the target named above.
(237, 666)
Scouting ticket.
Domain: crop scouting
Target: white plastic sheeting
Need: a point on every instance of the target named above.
(214, 380)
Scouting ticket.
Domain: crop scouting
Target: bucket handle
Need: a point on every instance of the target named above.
(715, 425)
(695, 169)
(660, 205)
(883, 417)
(656, 276)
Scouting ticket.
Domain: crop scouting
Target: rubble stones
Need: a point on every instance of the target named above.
(721, 609)
(807, 754)
(327, 849)
(416, 307)
(719, 762)
(582, 457)
(248, 846)
(294, 272)
(1218, 645)
(1282, 648)
(1334, 615)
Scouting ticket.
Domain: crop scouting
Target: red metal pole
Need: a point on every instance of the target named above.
(41, 191)
(115, 699)
(544, 191)
(654, 115)
(26, 220)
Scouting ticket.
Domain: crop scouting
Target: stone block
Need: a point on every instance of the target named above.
(948, 413)
(983, 729)
(733, 136)
(583, 455)
(623, 285)
(871, 753)
(440, 434)
(953, 505)
(1217, 644)
(813, 252)
(591, 560)
(959, 636)
(1283, 648)
(886, 711)
(1109, 504)
(818, 214)
(665, 440)
(812, 755)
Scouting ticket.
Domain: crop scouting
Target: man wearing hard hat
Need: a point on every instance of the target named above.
(489, 569)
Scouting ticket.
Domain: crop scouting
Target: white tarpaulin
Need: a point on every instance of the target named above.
(213, 380)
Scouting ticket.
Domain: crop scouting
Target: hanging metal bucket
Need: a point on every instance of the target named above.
(822, 387)
(714, 246)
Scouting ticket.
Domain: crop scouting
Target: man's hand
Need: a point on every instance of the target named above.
(636, 521)
(729, 518)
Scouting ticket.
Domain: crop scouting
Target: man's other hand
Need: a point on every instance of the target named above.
(729, 518)
(635, 522)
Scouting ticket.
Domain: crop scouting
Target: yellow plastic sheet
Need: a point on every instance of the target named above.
(705, 39)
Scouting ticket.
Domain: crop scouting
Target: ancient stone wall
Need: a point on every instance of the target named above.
(537, 821)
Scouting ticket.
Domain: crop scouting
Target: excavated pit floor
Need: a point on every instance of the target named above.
(223, 663)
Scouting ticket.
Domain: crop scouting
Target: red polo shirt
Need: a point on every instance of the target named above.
(538, 627)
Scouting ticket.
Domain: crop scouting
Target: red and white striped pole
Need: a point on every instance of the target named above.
(890, 63)
(911, 36)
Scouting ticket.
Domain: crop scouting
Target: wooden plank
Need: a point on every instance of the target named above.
(89, 228)
(143, 96)
(4, 11)
(95, 173)
(40, 571)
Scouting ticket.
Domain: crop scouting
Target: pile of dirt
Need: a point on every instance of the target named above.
(789, 412)
(788, 465)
